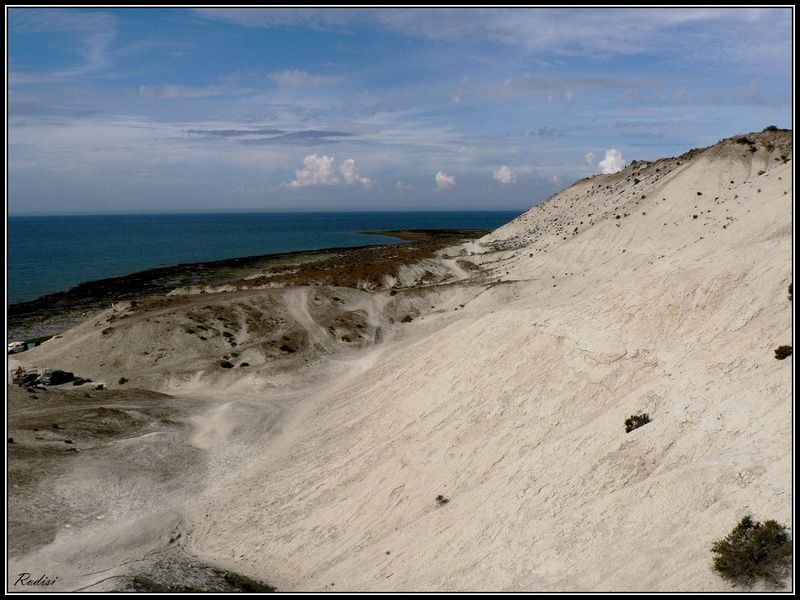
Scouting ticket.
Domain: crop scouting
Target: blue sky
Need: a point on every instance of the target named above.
(150, 110)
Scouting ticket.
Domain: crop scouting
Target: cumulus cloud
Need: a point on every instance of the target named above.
(612, 163)
(589, 158)
(505, 175)
(321, 170)
(444, 181)
(349, 171)
(317, 170)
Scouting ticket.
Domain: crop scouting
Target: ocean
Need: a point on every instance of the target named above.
(55, 253)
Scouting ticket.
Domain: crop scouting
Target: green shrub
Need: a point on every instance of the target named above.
(770, 128)
(441, 500)
(782, 352)
(225, 364)
(754, 551)
(123, 380)
(636, 421)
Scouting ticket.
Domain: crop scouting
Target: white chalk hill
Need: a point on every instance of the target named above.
(661, 289)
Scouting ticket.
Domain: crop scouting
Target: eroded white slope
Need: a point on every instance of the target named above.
(514, 409)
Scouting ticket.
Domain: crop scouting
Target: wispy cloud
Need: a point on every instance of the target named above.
(295, 77)
(189, 92)
(233, 133)
(601, 33)
(93, 32)
(301, 138)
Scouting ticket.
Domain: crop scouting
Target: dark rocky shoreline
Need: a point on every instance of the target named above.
(54, 313)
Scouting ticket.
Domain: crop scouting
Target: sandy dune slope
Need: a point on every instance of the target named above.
(660, 289)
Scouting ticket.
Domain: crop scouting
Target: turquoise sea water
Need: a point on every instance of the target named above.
(51, 254)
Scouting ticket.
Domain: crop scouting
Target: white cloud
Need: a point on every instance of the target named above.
(181, 91)
(589, 158)
(295, 77)
(403, 187)
(613, 162)
(444, 181)
(349, 171)
(317, 170)
(505, 175)
(321, 170)
(555, 180)
(596, 33)
(94, 32)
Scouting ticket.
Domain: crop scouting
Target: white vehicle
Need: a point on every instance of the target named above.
(15, 347)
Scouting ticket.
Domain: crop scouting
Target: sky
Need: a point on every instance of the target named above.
(221, 109)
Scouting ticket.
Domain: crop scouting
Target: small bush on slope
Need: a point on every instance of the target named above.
(782, 352)
(636, 421)
(754, 551)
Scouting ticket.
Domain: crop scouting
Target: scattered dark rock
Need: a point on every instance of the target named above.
(57, 377)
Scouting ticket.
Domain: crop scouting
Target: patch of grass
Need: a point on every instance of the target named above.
(782, 352)
(636, 421)
(754, 551)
